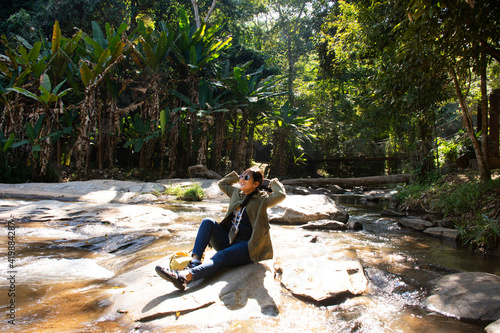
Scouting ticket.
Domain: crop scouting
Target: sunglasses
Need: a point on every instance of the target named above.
(245, 177)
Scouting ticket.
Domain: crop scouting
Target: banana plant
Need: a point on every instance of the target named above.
(61, 56)
(191, 52)
(5, 145)
(248, 91)
(139, 134)
(35, 139)
(194, 48)
(104, 52)
(292, 130)
(19, 67)
(203, 109)
(47, 95)
(150, 51)
(47, 98)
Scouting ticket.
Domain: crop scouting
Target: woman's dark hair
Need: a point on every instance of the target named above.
(256, 174)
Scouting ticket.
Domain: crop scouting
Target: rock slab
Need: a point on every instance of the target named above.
(237, 294)
(323, 280)
(442, 232)
(296, 209)
(415, 223)
(471, 296)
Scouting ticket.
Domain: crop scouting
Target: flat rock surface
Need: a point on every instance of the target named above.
(80, 212)
(245, 292)
(106, 190)
(442, 232)
(473, 296)
(297, 209)
(324, 280)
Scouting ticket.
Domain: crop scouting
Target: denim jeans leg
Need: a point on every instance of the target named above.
(210, 231)
(235, 255)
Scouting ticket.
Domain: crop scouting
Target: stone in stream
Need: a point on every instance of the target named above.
(296, 209)
(493, 327)
(442, 232)
(323, 280)
(415, 223)
(324, 225)
(470, 296)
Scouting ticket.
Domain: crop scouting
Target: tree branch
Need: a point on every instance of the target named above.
(196, 13)
(493, 52)
(214, 2)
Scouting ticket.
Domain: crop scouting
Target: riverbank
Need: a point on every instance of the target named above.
(462, 201)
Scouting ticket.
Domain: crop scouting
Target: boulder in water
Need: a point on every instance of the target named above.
(296, 209)
(471, 296)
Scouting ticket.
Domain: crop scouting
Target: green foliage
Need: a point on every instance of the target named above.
(448, 150)
(466, 201)
(138, 132)
(188, 193)
(34, 139)
(481, 233)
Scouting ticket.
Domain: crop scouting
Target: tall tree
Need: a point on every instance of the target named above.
(464, 34)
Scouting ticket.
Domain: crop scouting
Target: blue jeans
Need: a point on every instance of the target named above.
(228, 255)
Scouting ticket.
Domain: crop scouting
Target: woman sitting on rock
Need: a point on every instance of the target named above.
(242, 236)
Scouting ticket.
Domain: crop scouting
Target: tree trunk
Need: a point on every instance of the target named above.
(279, 161)
(484, 107)
(220, 129)
(484, 170)
(350, 182)
(240, 153)
(493, 138)
(249, 154)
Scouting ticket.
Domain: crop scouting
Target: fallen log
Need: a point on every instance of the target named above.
(349, 182)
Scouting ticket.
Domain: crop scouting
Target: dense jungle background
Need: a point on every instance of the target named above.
(93, 88)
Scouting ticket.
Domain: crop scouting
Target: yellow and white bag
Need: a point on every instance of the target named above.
(179, 260)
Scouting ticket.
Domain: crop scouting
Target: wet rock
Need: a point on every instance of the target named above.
(324, 225)
(493, 327)
(355, 225)
(299, 190)
(442, 232)
(335, 189)
(241, 293)
(97, 191)
(470, 296)
(299, 210)
(447, 222)
(324, 280)
(428, 217)
(107, 190)
(392, 213)
(75, 213)
(416, 224)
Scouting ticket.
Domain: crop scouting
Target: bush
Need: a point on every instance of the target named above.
(191, 193)
(473, 206)
(482, 233)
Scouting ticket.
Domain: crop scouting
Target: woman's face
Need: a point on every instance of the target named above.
(247, 184)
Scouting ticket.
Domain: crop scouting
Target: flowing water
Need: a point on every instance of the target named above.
(61, 272)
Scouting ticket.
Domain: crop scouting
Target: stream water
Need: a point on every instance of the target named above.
(62, 269)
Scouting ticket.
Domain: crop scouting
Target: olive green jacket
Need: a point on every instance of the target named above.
(259, 245)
